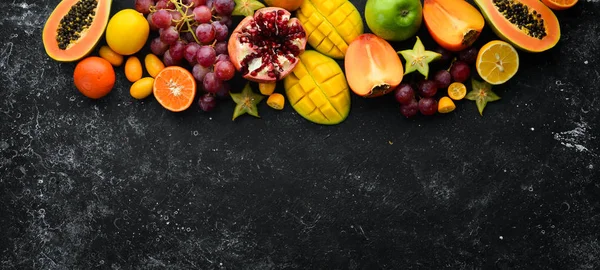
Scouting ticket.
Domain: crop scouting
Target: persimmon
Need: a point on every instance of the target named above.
(453, 24)
(373, 67)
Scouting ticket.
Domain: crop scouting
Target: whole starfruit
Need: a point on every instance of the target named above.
(330, 25)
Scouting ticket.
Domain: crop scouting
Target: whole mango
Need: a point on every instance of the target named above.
(317, 89)
(330, 25)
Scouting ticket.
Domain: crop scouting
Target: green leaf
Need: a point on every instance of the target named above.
(246, 7)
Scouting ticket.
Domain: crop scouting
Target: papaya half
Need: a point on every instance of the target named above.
(529, 25)
(453, 24)
(74, 28)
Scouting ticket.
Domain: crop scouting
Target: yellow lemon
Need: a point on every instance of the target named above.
(127, 32)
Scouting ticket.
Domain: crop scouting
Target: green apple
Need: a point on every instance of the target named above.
(394, 20)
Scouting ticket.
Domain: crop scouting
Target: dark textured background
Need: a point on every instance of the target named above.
(123, 184)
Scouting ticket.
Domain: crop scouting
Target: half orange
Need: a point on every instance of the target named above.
(175, 88)
(559, 4)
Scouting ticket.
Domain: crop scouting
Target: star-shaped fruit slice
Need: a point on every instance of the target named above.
(481, 94)
(246, 102)
(246, 7)
(418, 58)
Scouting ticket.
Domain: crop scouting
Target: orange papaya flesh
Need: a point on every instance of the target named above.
(533, 27)
(453, 24)
(74, 28)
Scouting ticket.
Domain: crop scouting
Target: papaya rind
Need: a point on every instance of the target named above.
(99, 24)
(550, 19)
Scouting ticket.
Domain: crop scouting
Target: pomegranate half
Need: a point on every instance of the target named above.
(265, 47)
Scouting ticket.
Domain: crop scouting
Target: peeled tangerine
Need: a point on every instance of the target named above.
(373, 67)
(453, 24)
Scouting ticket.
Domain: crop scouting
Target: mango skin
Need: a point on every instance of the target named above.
(330, 25)
(317, 89)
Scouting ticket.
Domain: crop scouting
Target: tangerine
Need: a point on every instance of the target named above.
(174, 88)
(94, 77)
(289, 5)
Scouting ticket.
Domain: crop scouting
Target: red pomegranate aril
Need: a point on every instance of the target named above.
(265, 47)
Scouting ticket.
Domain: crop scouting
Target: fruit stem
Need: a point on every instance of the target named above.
(184, 17)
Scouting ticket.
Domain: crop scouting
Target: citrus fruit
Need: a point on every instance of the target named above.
(174, 88)
(289, 5)
(457, 91)
(142, 88)
(94, 77)
(127, 32)
(276, 101)
(446, 105)
(133, 69)
(497, 62)
(559, 4)
(114, 58)
(394, 20)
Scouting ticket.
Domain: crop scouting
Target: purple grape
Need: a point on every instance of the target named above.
(196, 3)
(468, 55)
(164, 4)
(222, 57)
(226, 20)
(404, 93)
(428, 106)
(209, 4)
(143, 6)
(427, 88)
(169, 35)
(205, 33)
(162, 18)
(224, 7)
(158, 47)
(221, 31)
(221, 47)
(410, 109)
(460, 71)
(176, 18)
(190, 52)
(153, 27)
(199, 72)
(224, 70)
(177, 50)
(189, 37)
(207, 102)
(224, 91)
(206, 56)
(446, 54)
(202, 14)
(211, 83)
(169, 61)
(443, 78)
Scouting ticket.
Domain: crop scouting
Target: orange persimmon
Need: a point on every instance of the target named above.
(373, 67)
(453, 24)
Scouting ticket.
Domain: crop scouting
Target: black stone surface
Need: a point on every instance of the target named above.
(122, 184)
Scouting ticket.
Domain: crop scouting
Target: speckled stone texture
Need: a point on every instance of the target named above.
(124, 184)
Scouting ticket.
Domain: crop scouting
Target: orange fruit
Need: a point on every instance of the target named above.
(175, 88)
(559, 4)
(94, 77)
(133, 69)
(457, 91)
(446, 105)
(497, 62)
(114, 58)
(276, 101)
(289, 5)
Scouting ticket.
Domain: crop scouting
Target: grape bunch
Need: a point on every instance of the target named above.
(423, 99)
(194, 32)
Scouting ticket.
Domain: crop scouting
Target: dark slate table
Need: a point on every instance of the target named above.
(122, 184)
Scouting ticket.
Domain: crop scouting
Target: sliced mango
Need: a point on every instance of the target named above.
(317, 89)
(330, 25)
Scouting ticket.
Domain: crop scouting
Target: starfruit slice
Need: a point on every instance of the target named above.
(317, 89)
(330, 25)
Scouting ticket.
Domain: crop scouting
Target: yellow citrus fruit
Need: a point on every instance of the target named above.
(446, 105)
(114, 58)
(457, 90)
(142, 88)
(267, 88)
(153, 64)
(276, 101)
(497, 62)
(127, 32)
